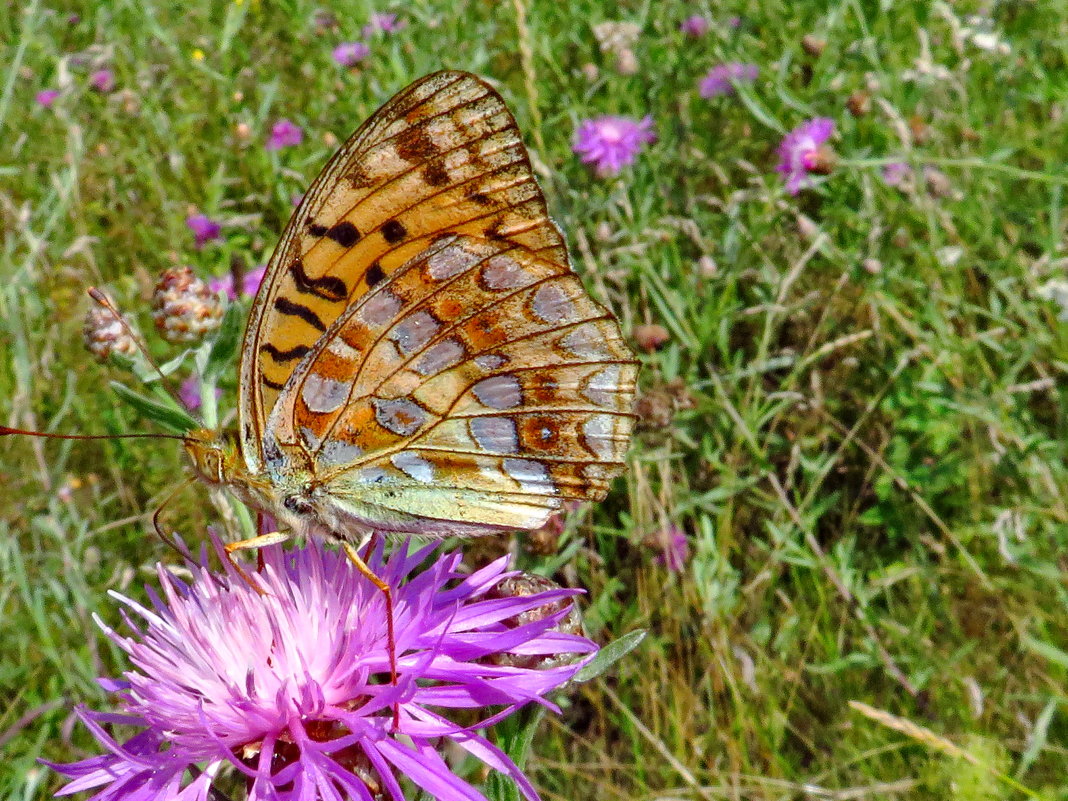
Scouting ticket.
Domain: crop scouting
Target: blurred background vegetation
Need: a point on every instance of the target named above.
(853, 409)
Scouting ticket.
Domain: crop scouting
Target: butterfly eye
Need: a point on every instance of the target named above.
(297, 505)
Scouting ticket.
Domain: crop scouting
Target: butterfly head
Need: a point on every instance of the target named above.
(214, 458)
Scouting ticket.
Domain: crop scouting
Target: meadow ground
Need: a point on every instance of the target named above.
(853, 412)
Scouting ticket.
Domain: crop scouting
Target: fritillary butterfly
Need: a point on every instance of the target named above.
(420, 356)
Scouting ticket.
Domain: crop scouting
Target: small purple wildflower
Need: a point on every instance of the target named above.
(722, 79)
(695, 26)
(290, 689)
(385, 22)
(674, 548)
(611, 143)
(896, 173)
(250, 283)
(285, 133)
(348, 53)
(800, 150)
(734, 22)
(189, 393)
(204, 229)
(102, 81)
(46, 97)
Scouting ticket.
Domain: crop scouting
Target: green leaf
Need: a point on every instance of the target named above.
(224, 347)
(169, 417)
(1045, 650)
(610, 654)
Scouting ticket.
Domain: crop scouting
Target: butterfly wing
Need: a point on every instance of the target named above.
(477, 387)
(443, 155)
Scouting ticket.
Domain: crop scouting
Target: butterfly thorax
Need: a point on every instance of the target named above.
(288, 496)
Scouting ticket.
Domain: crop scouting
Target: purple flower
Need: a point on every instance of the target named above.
(799, 152)
(896, 173)
(348, 53)
(189, 393)
(611, 143)
(695, 26)
(289, 687)
(204, 229)
(250, 283)
(722, 79)
(674, 548)
(102, 80)
(46, 97)
(387, 23)
(285, 133)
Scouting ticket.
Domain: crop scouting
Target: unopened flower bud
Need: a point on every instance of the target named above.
(104, 334)
(651, 337)
(813, 45)
(859, 103)
(183, 306)
(530, 584)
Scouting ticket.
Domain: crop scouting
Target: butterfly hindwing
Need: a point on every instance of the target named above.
(420, 350)
(478, 385)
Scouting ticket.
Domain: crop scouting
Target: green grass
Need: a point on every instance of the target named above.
(870, 465)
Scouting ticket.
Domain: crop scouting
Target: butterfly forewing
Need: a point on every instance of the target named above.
(444, 155)
(421, 346)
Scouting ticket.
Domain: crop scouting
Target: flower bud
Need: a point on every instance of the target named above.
(104, 334)
(530, 584)
(183, 306)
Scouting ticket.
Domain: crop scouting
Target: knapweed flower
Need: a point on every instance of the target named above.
(285, 133)
(285, 689)
(385, 22)
(722, 79)
(204, 229)
(189, 394)
(250, 283)
(46, 97)
(673, 548)
(102, 80)
(611, 143)
(801, 153)
(695, 26)
(896, 173)
(348, 53)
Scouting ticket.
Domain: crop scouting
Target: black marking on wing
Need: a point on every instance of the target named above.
(328, 287)
(394, 231)
(285, 306)
(345, 234)
(375, 273)
(272, 384)
(282, 356)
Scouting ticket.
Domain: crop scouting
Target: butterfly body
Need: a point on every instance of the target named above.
(420, 356)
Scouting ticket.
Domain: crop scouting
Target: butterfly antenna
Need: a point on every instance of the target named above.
(102, 299)
(5, 430)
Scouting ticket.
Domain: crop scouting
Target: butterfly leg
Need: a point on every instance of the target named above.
(252, 544)
(354, 556)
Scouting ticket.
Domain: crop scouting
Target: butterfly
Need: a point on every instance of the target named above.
(420, 356)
